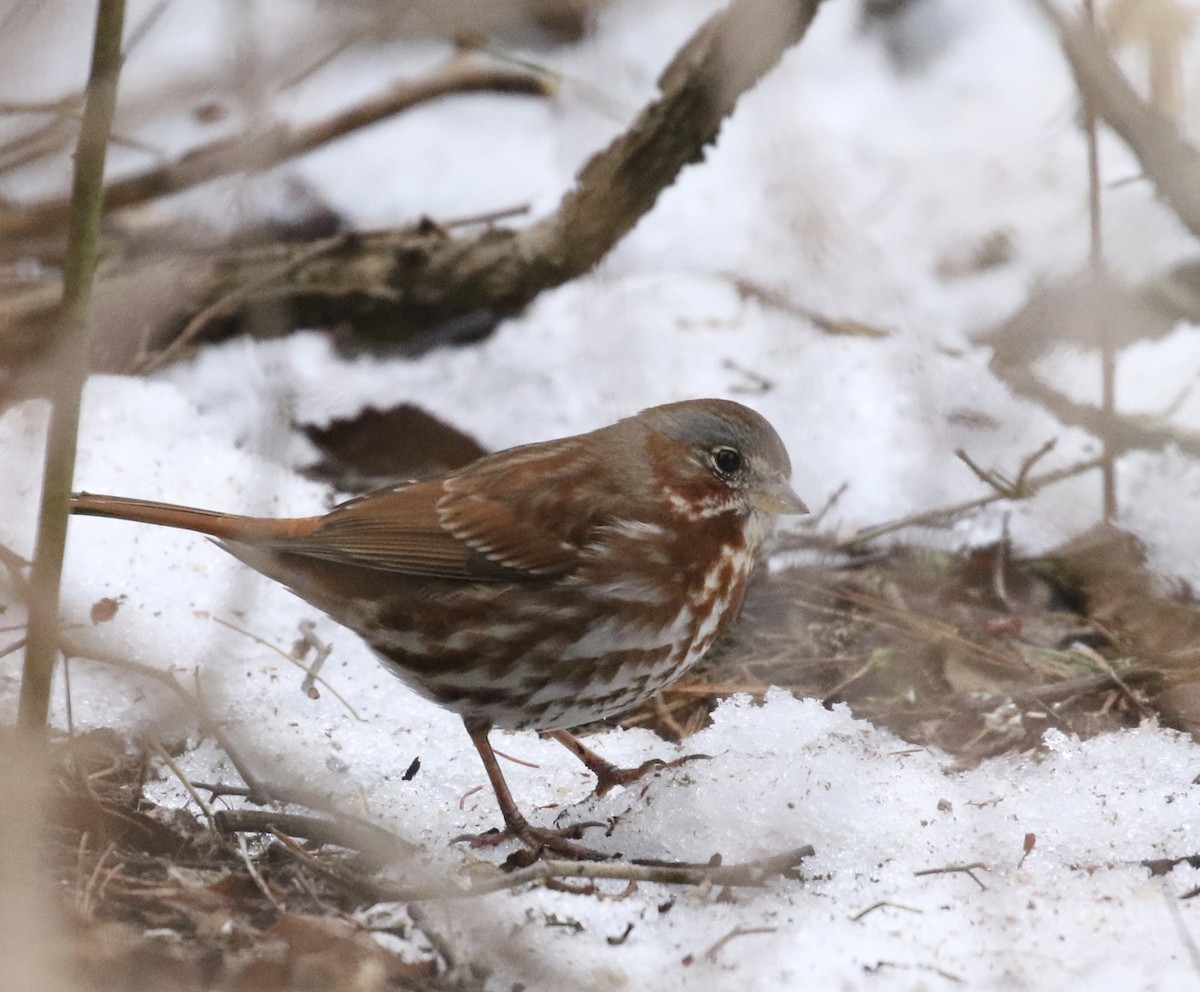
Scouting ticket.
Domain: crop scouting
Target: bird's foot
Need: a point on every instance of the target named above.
(538, 842)
(608, 775)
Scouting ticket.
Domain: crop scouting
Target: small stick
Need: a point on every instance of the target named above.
(490, 217)
(310, 671)
(999, 585)
(750, 873)
(167, 760)
(881, 905)
(309, 639)
(1093, 655)
(711, 953)
(829, 504)
(244, 851)
(968, 870)
(929, 517)
(354, 835)
(1181, 929)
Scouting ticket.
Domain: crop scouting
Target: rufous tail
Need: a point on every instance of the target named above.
(223, 526)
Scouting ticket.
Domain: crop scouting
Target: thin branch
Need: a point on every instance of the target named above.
(968, 870)
(1170, 162)
(1108, 358)
(257, 151)
(1181, 928)
(1120, 433)
(256, 790)
(223, 308)
(927, 518)
(398, 284)
(195, 704)
(256, 877)
(311, 672)
(69, 356)
(190, 789)
(1007, 488)
(749, 874)
(715, 949)
(354, 835)
(883, 905)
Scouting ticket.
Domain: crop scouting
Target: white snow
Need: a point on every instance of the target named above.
(840, 184)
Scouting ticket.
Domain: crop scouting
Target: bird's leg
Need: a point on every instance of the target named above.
(607, 774)
(537, 839)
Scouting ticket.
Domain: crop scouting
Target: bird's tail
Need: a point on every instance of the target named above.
(222, 526)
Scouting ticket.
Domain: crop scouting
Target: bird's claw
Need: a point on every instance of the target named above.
(538, 842)
(610, 776)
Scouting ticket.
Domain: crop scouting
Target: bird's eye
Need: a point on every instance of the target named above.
(727, 461)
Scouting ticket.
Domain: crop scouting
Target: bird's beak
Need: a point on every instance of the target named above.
(778, 497)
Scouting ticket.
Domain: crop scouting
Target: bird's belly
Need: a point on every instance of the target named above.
(550, 658)
(563, 680)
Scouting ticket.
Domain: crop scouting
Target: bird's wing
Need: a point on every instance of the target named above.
(506, 517)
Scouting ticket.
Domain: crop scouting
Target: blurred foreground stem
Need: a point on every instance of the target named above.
(69, 355)
(1108, 359)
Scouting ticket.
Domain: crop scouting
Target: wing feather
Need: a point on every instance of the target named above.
(525, 513)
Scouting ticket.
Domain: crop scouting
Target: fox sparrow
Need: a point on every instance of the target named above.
(541, 587)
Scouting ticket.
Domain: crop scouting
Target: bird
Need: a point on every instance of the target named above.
(541, 587)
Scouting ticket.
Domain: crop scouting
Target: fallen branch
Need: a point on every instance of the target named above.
(750, 873)
(354, 835)
(396, 284)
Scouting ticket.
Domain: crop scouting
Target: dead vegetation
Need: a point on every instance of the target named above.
(976, 653)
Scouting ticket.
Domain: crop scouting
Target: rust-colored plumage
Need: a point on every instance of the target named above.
(544, 586)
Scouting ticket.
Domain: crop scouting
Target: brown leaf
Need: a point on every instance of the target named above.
(379, 448)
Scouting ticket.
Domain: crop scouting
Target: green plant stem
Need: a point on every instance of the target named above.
(70, 354)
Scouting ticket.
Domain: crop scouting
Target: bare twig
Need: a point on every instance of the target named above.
(884, 905)
(712, 952)
(750, 873)
(258, 151)
(928, 518)
(311, 675)
(1108, 360)
(968, 870)
(195, 704)
(400, 283)
(1007, 488)
(190, 789)
(354, 835)
(1103, 663)
(71, 352)
(224, 307)
(749, 289)
(1169, 161)
(259, 881)
(256, 789)
(1057, 692)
